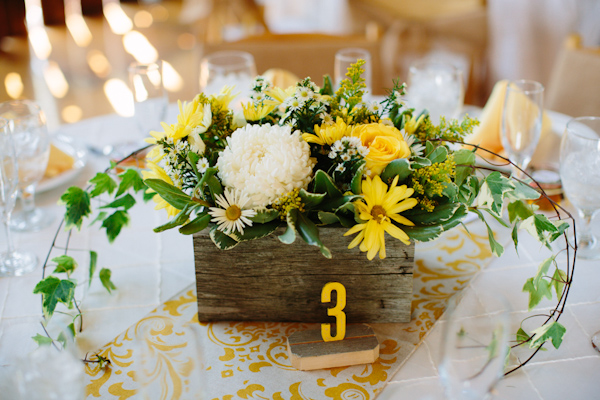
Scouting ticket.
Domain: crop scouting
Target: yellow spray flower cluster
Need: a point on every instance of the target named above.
(429, 182)
(288, 202)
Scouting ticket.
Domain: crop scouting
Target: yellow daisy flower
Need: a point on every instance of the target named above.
(223, 99)
(328, 133)
(256, 112)
(279, 95)
(157, 172)
(378, 208)
(412, 124)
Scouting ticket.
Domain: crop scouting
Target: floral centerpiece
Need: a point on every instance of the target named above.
(306, 156)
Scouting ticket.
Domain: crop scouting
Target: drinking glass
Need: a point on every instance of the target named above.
(223, 68)
(580, 176)
(474, 347)
(12, 262)
(28, 127)
(346, 57)
(437, 87)
(149, 96)
(522, 121)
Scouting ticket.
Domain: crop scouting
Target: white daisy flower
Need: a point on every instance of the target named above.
(363, 150)
(351, 152)
(368, 172)
(332, 154)
(340, 168)
(294, 103)
(258, 97)
(202, 165)
(338, 146)
(304, 94)
(375, 107)
(231, 216)
(345, 157)
(326, 118)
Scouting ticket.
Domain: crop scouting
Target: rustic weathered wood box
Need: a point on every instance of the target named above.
(266, 280)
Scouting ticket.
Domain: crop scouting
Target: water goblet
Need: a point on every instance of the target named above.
(30, 135)
(149, 95)
(223, 68)
(522, 122)
(12, 262)
(580, 176)
(474, 347)
(344, 58)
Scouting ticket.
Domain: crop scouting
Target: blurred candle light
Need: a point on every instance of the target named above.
(55, 80)
(40, 42)
(143, 19)
(139, 47)
(13, 84)
(120, 97)
(79, 30)
(171, 78)
(159, 13)
(98, 63)
(118, 21)
(71, 114)
(186, 41)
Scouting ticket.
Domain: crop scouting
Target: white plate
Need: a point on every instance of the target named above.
(69, 146)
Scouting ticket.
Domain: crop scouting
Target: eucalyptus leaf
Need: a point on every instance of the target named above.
(400, 168)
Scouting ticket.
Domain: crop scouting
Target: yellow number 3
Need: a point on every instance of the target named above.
(340, 316)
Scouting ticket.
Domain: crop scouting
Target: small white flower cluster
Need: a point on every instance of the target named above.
(306, 94)
(416, 148)
(347, 149)
(171, 162)
(396, 97)
(261, 85)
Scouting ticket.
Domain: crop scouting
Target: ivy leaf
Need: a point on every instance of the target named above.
(100, 217)
(77, 202)
(64, 263)
(536, 294)
(105, 275)
(523, 191)
(102, 183)
(93, 263)
(130, 179)
(126, 202)
(546, 231)
(53, 291)
(522, 336)
(465, 160)
(519, 210)
(558, 281)
(492, 192)
(552, 331)
(42, 340)
(221, 240)
(496, 247)
(114, 223)
(542, 271)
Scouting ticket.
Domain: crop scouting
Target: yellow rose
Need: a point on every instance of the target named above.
(385, 144)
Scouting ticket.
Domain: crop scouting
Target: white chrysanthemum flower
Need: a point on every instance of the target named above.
(202, 165)
(265, 162)
(231, 215)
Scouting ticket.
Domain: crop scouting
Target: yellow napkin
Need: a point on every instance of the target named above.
(488, 133)
(280, 77)
(58, 162)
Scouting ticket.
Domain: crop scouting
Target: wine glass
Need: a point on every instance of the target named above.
(522, 122)
(437, 87)
(580, 176)
(474, 347)
(346, 57)
(223, 68)
(32, 144)
(12, 262)
(149, 95)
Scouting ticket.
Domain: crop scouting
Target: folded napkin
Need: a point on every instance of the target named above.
(280, 77)
(58, 162)
(488, 134)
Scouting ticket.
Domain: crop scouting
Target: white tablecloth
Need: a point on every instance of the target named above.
(149, 268)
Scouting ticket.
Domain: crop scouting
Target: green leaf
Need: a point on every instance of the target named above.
(328, 218)
(558, 281)
(541, 228)
(93, 263)
(172, 195)
(465, 160)
(64, 263)
(178, 220)
(552, 331)
(309, 232)
(420, 162)
(311, 200)
(339, 202)
(439, 214)
(536, 294)
(356, 183)
(130, 179)
(102, 183)
(42, 340)
(126, 202)
(493, 191)
(148, 195)
(430, 232)
(399, 167)
(221, 240)
(196, 225)
(77, 202)
(515, 237)
(519, 210)
(100, 217)
(264, 216)
(105, 275)
(327, 88)
(468, 191)
(542, 270)
(53, 291)
(114, 223)
(522, 336)
(256, 231)
(495, 247)
(193, 159)
(522, 191)
(289, 236)
(324, 184)
(437, 154)
(215, 186)
(346, 218)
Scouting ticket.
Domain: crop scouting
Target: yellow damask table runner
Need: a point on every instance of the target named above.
(175, 357)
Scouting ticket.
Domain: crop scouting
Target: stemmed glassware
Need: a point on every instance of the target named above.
(149, 95)
(437, 87)
(344, 58)
(222, 68)
(12, 262)
(522, 121)
(32, 144)
(580, 176)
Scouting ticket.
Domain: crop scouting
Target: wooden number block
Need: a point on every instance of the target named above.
(308, 351)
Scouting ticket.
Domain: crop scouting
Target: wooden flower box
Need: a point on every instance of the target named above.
(266, 280)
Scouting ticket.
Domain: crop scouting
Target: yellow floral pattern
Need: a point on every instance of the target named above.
(249, 360)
